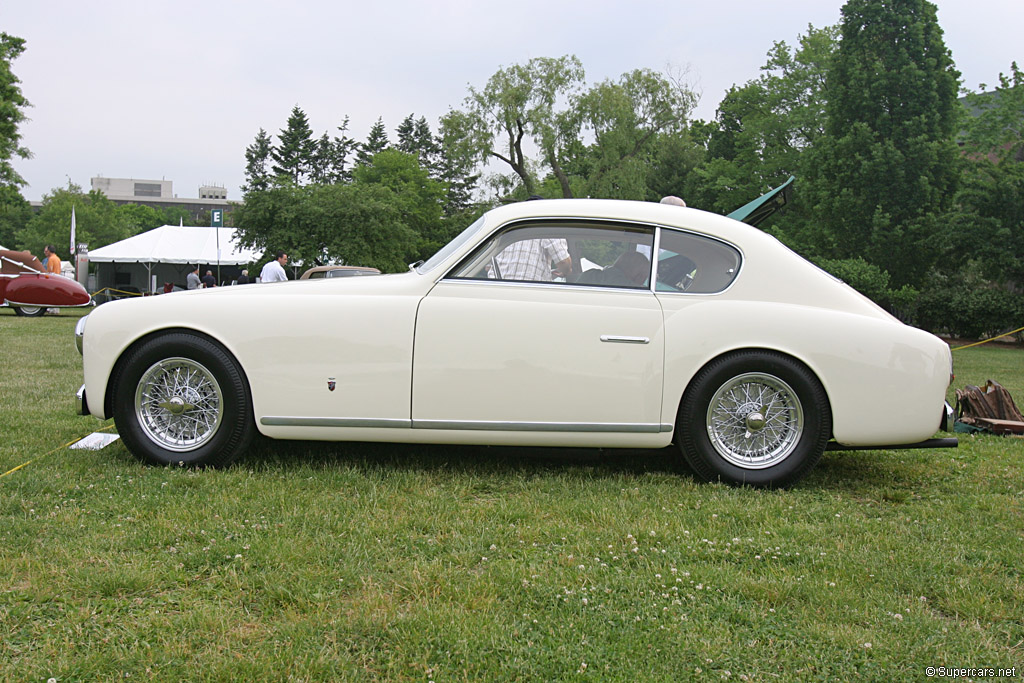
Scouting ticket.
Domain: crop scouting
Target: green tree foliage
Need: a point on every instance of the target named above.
(294, 153)
(415, 137)
(257, 158)
(885, 169)
(376, 142)
(457, 163)
(15, 213)
(98, 221)
(329, 163)
(628, 118)
(968, 306)
(360, 224)
(139, 218)
(763, 129)
(517, 101)
(994, 126)
(597, 142)
(871, 281)
(416, 195)
(12, 104)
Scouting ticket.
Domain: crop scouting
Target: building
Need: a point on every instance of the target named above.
(160, 195)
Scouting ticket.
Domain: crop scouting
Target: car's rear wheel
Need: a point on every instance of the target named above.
(179, 398)
(29, 311)
(754, 418)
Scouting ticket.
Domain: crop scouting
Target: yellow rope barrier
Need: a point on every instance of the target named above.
(111, 289)
(69, 443)
(986, 341)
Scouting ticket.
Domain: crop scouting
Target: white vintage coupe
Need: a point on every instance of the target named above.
(587, 323)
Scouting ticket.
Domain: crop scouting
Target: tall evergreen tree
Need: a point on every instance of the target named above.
(457, 161)
(405, 133)
(12, 102)
(377, 141)
(886, 167)
(415, 137)
(257, 156)
(293, 157)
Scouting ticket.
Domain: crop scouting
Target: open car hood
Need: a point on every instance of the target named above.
(764, 206)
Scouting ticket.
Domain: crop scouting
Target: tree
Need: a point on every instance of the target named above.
(257, 156)
(764, 129)
(12, 104)
(626, 118)
(358, 224)
(98, 220)
(15, 213)
(330, 158)
(520, 100)
(994, 124)
(458, 161)
(138, 218)
(416, 138)
(986, 234)
(376, 142)
(293, 157)
(417, 196)
(885, 169)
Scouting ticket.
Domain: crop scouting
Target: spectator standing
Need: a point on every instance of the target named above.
(274, 271)
(243, 279)
(51, 262)
(192, 281)
(209, 280)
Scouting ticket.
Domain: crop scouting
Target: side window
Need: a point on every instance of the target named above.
(695, 264)
(574, 253)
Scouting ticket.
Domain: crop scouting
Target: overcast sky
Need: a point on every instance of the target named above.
(177, 90)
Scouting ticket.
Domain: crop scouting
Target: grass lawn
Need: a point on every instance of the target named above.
(310, 561)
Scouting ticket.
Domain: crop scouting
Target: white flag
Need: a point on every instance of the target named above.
(71, 256)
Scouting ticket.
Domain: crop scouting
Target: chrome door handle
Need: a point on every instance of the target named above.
(617, 339)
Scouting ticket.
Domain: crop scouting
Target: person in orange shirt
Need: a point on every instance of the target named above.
(51, 262)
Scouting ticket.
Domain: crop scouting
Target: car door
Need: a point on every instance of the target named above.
(505, 345)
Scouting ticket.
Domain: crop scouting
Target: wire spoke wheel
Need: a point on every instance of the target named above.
(179, 404)
(755, 420)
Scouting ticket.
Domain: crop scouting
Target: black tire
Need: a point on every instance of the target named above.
(29, 311)
(180, 399)
(754, 418)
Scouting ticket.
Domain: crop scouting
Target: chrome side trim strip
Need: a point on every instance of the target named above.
(475, 425)
(365, 422)
(627, 427)
(618, 339)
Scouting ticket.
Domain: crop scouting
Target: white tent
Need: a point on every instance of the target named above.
(177, 244)
(167, 251)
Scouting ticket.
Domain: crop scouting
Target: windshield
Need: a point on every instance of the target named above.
(450, 248)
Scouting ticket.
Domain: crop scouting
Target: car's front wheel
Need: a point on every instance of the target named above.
(29, 311)
(754, 418)
(179, 398)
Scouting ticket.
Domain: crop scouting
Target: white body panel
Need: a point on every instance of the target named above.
(416, 358)
(496, 352)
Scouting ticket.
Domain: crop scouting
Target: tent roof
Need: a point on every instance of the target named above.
(177, 244)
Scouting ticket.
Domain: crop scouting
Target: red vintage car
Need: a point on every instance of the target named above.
(30, 291)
